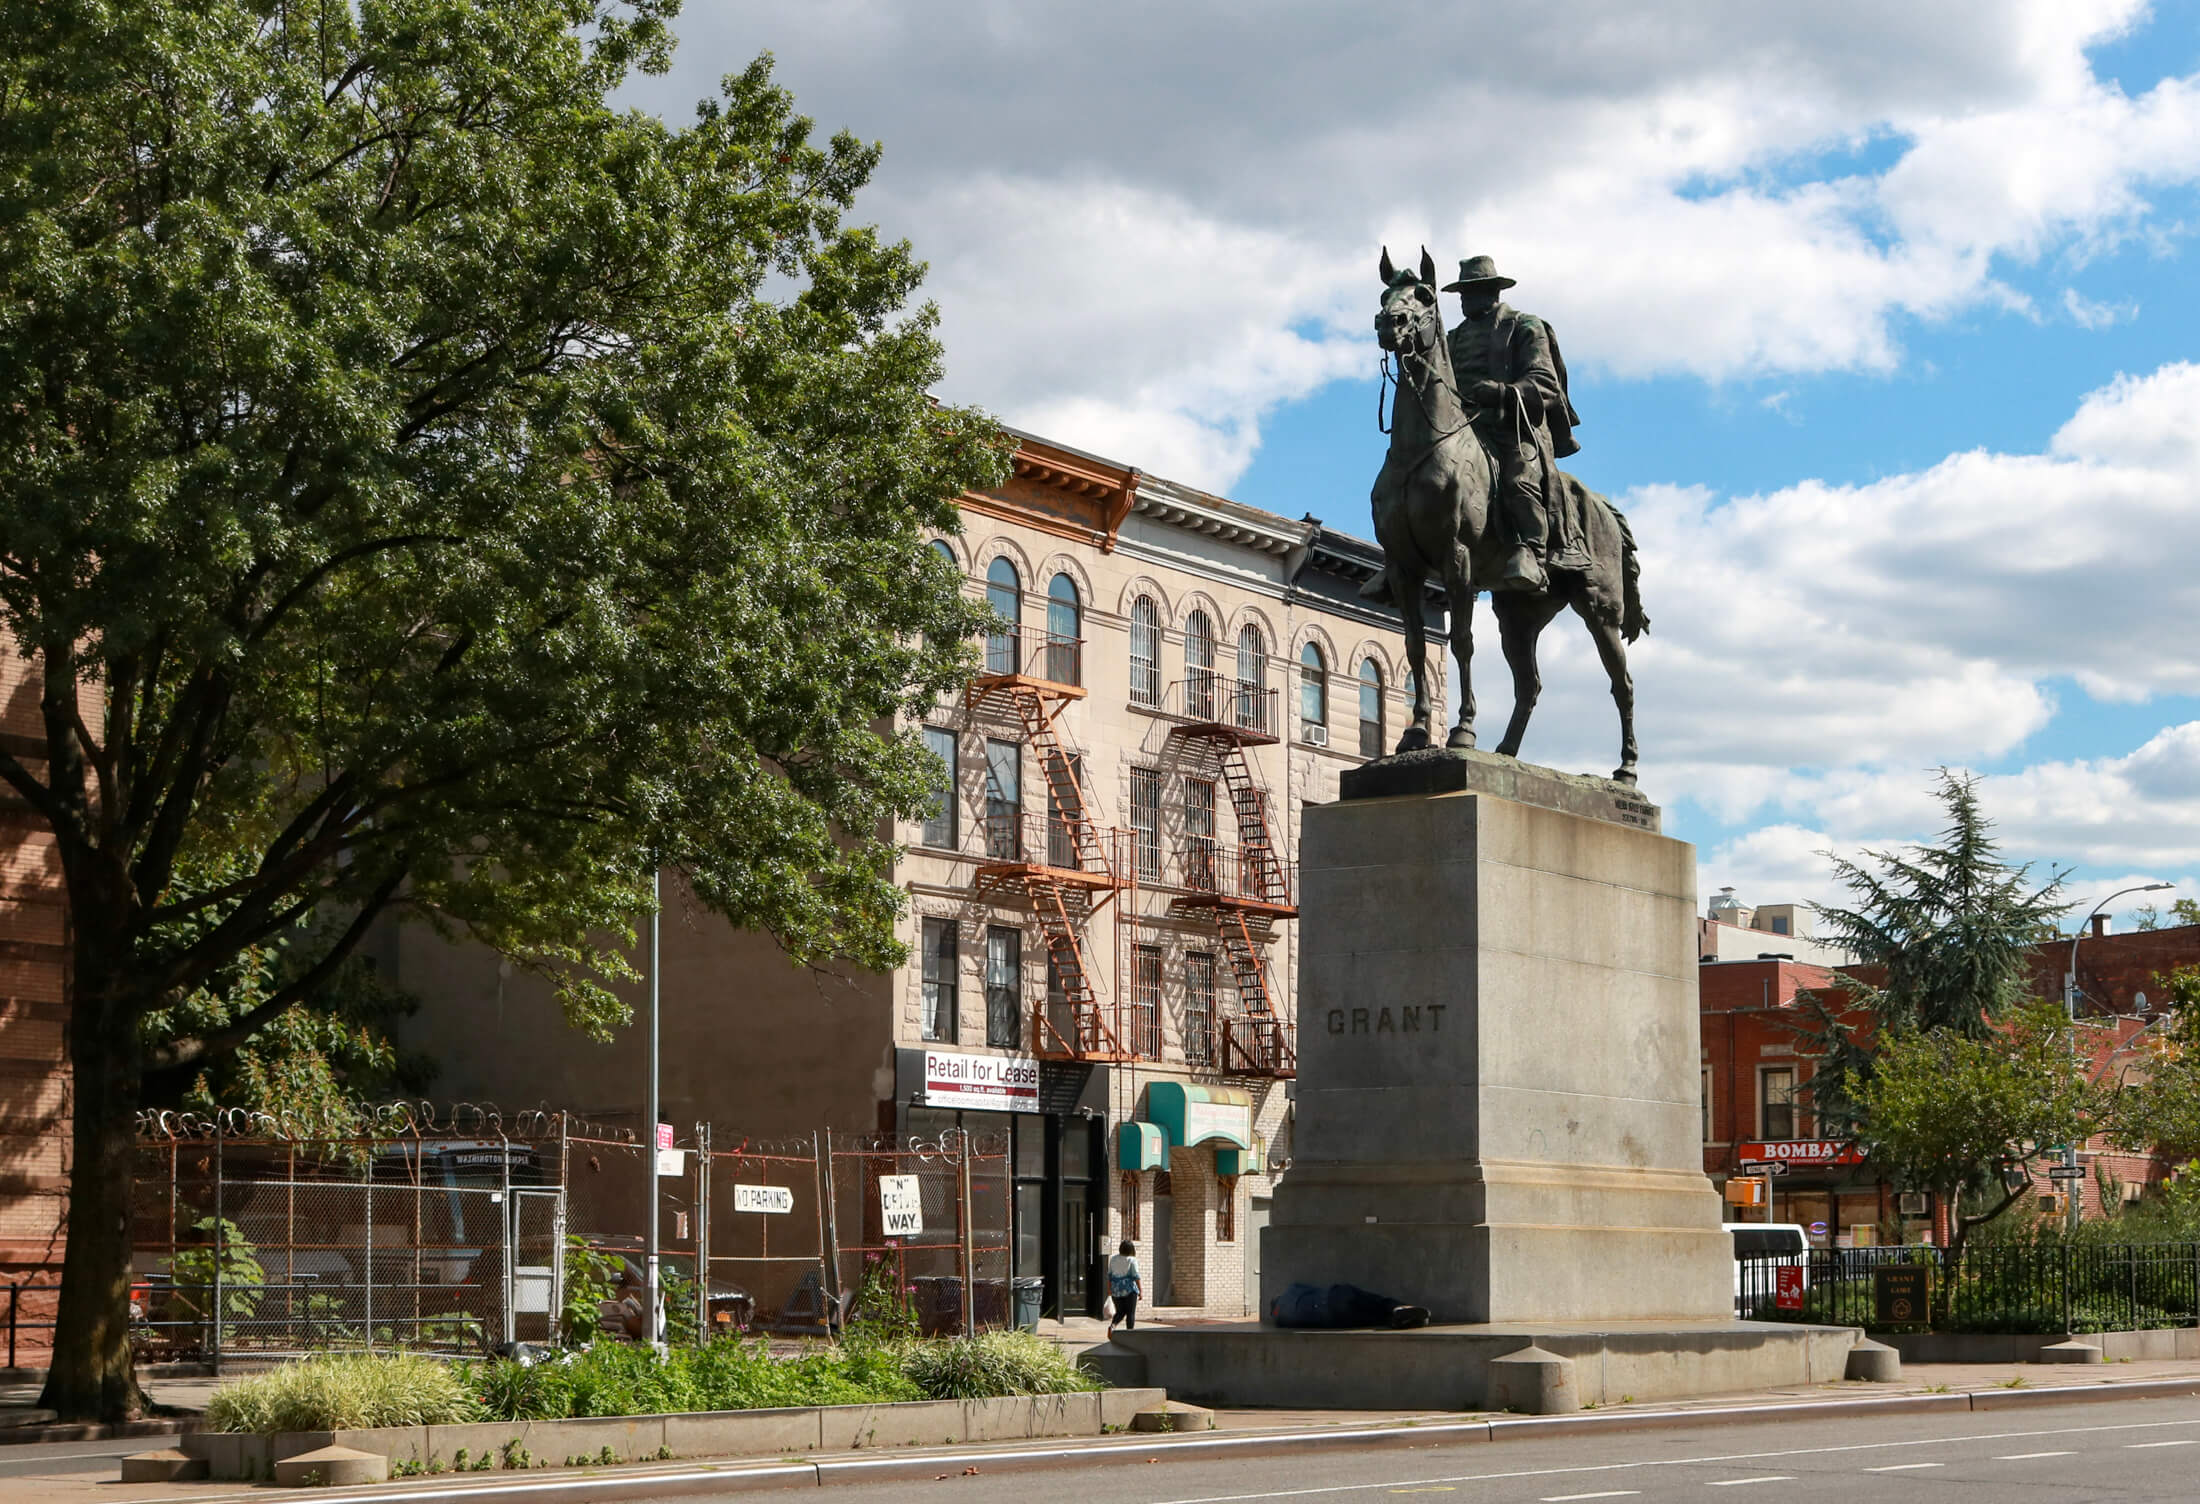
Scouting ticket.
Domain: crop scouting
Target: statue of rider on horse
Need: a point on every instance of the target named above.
(1471, 494)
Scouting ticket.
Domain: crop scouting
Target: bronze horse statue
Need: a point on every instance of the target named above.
(1435, 516)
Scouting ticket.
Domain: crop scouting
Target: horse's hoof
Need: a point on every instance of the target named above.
(1624, 775)
(1508, 749)
(1460, 740)
(1414, 740)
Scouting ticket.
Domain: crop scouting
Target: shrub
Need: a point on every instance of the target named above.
(992, 1365)
(343, 1392)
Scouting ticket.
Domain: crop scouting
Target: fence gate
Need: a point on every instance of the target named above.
(537, 1262)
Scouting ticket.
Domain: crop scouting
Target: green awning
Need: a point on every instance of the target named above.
(1141, 1146)
(1193, 1114)
(1229, 1162)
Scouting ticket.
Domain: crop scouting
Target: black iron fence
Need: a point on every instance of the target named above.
(2043, 1288)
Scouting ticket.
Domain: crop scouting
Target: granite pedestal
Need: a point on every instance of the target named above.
(1497, 1110)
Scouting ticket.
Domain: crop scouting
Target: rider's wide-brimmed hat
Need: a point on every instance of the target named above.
(1478, 271)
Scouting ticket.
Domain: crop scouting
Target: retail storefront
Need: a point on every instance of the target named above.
(1054, 1116)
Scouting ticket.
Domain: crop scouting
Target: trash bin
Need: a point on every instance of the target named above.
(1030, 1296)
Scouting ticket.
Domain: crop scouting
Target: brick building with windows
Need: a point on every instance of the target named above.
(1757, 1066)
(1101, 905)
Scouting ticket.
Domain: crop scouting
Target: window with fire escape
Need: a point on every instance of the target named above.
(1199, 1008)
(1146, 822)
(1201, 855)
(938, 944)
(1004, 800)
(1199, 667)
(939, 825)
(1252, 676)
(1004, 592)
(1146, 1001)
(1004, 987)
(1065, 632)
(1145, 651)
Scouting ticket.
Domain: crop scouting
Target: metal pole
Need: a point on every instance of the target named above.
(652, 1305)
(368, 1298)
(510, 1324)
(218, 1248)
(969, 1231)
(703, 1172)
(2070, 1011)
(830, 1211)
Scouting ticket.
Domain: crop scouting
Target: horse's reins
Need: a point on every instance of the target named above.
(1394, 380)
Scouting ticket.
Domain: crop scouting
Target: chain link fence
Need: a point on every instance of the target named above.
(463, 1233)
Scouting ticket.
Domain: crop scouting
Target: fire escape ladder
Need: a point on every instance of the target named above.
(1065, 796)
(1085, 1032)
(1246, 966)
(1264, 877)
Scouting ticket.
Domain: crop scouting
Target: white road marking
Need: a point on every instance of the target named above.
(1617, 1467)
(1610, 1493)
(1910, 1467)
(2137, 1446)
(2029, 1456)
(1745, 1482)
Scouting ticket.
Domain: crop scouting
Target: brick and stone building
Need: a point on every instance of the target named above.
(1101, 908)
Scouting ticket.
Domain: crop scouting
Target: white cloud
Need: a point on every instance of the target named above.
(1161, 218)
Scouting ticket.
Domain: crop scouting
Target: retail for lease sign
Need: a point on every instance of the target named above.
(988, 1083)
(1799, 1152)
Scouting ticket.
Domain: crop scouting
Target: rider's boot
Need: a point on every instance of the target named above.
(1523, 573)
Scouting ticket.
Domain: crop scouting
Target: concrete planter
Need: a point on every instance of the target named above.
(721, 1433)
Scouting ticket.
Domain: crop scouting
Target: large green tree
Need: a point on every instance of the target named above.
(1943, 934)
(457, 493)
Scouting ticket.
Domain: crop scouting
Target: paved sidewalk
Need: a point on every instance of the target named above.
(82, 1473)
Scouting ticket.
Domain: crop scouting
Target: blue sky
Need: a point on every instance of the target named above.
(1882, 320)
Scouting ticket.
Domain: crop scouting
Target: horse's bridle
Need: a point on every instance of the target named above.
(1391, 379)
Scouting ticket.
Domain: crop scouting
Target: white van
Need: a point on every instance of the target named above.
(1765, 1245)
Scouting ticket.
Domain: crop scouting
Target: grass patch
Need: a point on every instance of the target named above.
(358, 1391)
(344, 1392)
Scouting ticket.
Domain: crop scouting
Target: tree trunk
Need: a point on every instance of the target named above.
(92, 1377)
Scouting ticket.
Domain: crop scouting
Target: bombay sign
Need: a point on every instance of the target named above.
(1796, 1153)
(900, 1205)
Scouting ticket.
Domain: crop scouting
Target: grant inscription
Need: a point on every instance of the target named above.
(1421, 1018)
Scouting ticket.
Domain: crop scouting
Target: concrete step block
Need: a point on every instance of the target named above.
(1115, 1365)
(332, 1467)
(167, 1466)
(1874, 1363)
(1174, 1415)
(2076, 1350)
(1532, 1381)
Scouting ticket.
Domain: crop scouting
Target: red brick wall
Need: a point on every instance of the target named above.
(34, 1096)
(2113, 969)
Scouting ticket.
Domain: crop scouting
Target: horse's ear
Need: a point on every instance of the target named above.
(1428, 267)
(1389, 272)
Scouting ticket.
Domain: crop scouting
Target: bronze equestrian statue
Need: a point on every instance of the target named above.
(1471, 494)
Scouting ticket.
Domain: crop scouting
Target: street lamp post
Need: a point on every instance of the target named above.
(652, 1277)
(2070, 1011)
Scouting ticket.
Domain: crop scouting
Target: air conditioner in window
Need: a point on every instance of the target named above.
(2052, 1203)
(1912, 1204)
(1314, 736)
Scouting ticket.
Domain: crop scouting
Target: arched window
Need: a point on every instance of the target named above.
(1313, 694)
(1065, 631)
(1199, 666)
(1252, 673)
(1004, 592)
(946, 551)
(1145, 651)
(1371, 709)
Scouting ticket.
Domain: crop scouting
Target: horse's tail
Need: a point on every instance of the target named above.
(1632, 622)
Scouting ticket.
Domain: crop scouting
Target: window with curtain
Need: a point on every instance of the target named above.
(939, 825)
(1146, 822)
(939, 980)
(1371, 709)
(1252, 673)
(1199, 666)
(1145, 651)
(1004, 592)
(1004, 799)
(1200, 854)
(1004, 987)
(1313, 687)
(1065, 631)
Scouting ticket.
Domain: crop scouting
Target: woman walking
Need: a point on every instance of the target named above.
(1124, 1287)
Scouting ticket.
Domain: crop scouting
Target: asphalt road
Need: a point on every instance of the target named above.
(2128, 1450)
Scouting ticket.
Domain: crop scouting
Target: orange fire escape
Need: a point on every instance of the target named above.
(1245, 891)
(1067, 865)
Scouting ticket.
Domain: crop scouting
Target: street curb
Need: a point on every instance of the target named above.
(731, 1477)
(12, 1436)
